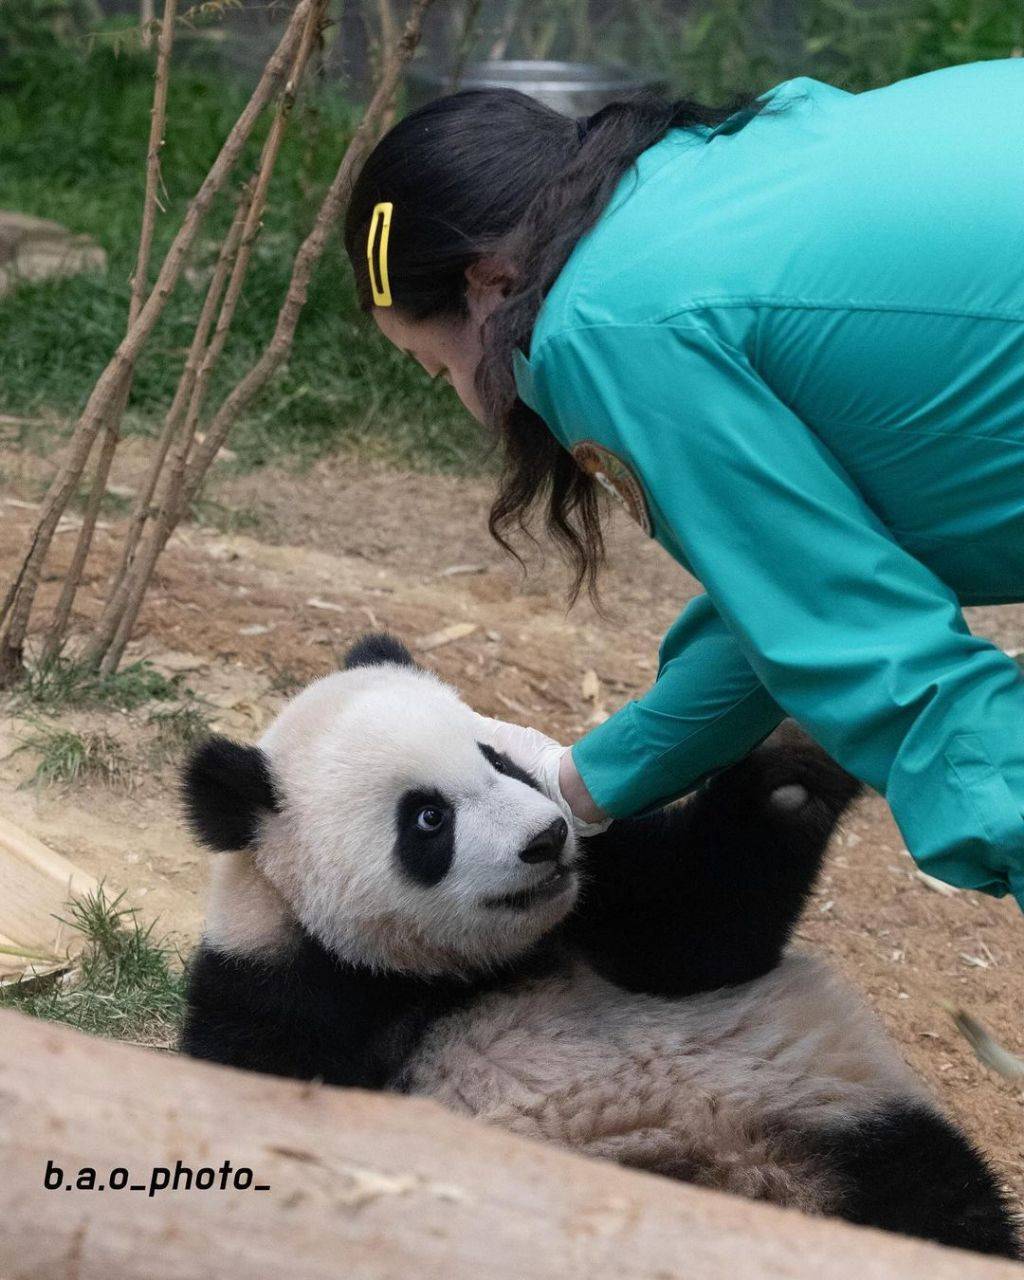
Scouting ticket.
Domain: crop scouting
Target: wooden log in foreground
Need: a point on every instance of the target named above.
(361, 1185)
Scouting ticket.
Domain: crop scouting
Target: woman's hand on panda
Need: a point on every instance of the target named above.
(588, 818)
(552, 766)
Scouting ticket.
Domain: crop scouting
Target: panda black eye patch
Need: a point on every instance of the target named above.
(425, 839)
(504, 765)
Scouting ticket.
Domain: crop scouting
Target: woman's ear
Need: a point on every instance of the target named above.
(489, 279)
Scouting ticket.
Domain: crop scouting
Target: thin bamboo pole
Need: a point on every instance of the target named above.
(182, 395)
(467, 38)
(112, 433)
(389, 49)
(254, 216)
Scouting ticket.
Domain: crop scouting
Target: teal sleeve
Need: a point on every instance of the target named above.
(706, 710)
(855, 638)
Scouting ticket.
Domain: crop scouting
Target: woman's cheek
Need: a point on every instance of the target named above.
(465, 389)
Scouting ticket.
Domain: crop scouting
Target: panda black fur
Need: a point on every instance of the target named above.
(396, 906)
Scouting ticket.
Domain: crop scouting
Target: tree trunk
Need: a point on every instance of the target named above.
(361, 1186)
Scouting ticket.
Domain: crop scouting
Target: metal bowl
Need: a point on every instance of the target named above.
(573, 88)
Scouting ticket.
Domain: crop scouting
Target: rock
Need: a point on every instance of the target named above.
(170, 662)
(36, 249)
(457, 631)
(315, 602)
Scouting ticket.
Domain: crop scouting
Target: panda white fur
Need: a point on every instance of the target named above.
(396, 906)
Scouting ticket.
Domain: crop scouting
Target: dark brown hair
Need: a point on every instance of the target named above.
(494, 171)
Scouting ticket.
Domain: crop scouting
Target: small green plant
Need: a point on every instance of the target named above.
(127, 984)
(59, 683)
(215, 515)
(177, 729)
(68, 757)
(286, 681)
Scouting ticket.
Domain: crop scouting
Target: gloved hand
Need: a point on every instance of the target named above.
(540, 757)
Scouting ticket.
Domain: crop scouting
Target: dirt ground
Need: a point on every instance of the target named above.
(347, 547)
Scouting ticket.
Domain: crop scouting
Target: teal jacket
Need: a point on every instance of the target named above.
(797, 341)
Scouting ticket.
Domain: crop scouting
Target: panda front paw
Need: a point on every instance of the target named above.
(791, 777)
(789, 798)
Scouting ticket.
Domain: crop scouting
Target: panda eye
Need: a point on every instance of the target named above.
(430, 819)
(498, 762)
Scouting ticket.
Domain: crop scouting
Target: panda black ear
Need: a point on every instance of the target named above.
(378, 646)
(227, 789)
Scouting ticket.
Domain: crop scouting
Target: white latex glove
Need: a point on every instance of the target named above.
(540, 757)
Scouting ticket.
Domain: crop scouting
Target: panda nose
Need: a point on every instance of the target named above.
(548, 844)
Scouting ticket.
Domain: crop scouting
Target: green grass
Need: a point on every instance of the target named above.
(67, 757)
(285, 680)
(230, 520)
(175, 731)
(59, 684)
(72, 147)
(127, 984)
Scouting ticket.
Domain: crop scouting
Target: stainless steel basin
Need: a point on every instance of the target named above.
(574, 88)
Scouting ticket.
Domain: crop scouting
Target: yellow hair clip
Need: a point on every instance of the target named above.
(379, 284)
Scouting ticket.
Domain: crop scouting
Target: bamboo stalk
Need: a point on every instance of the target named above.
(112, 432)
(508, 28)
(470, 23)
(146, 23)
(388, 28)
(389, 48)
(254, 215)
(176, 413)
(331, 209)
(110, 386)
(133, 588)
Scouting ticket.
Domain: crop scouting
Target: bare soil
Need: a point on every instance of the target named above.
(346, 547)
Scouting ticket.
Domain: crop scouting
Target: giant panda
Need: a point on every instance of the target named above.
(395, 905)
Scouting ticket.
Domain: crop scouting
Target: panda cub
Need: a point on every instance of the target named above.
(395, 905)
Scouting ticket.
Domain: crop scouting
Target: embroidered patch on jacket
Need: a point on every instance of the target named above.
(613, 475)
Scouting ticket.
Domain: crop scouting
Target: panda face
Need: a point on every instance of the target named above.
(398, 838)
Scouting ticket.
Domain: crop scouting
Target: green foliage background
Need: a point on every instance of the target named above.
(719, 47)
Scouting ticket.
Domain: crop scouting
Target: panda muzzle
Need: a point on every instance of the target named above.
(547, 845)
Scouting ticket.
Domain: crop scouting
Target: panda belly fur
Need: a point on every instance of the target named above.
(733, 1089)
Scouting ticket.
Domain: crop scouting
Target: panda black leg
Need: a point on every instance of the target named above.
(705, 894)
(909, 1169)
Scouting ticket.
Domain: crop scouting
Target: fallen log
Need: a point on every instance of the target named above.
(360, 1186)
